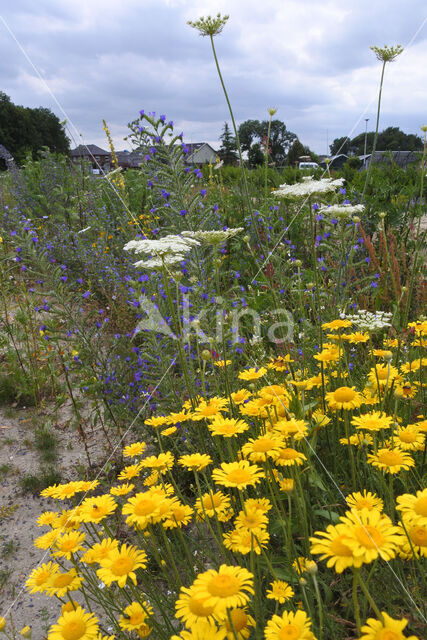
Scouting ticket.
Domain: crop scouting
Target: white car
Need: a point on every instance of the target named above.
(308, 165)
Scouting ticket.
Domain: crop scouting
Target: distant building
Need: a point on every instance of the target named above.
(129, 159)
(200, 153)
(98, 158)
(335, 162)
(401, 158)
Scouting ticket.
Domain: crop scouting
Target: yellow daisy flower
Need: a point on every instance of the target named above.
(122, 490)
(210, 408)
(382, 375)
(335, 325)
(195, 461)
(240, 396)
(251, 519)
(227, 587)
(100, 550)
(252, 374)
(374, 421)
(413, 541)
(240, 474)
(178, 515)
(203, 631)
(97, 508)
(68, 544)
(288, 457)
(75, 625)
(389, 629)
(344, 398)
(295, 625)
(120, 564)
(332, 544)
(190, 608)
(390, 460)
(240, 626)
(413, 507)
(261, 448)
(135, 616)
(213, 504)
(135, 449)
(40, 576)
(156, 421)
(280, 591)
(366, 500)
(370, 534)
(409, 438)
(227, 427)
(61, 583)
(161, 463)
(129, 472)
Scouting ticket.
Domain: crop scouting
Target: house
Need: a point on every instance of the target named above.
(199, 153)
(98, 158)
(335, 162)
(129, 159)
(400, 158)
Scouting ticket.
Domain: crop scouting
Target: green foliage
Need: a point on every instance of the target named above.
(228, 149)
(24, 130)
(255, 132)
(391, 139)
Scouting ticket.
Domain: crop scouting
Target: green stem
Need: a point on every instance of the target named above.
(376, 132)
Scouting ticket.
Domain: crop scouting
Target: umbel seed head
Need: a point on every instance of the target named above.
(209, 26)
(387, 54)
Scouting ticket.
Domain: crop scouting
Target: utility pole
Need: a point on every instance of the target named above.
(366, 136)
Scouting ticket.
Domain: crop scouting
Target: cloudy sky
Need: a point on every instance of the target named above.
(93, 59)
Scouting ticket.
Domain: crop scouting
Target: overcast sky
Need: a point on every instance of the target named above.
(308, 58)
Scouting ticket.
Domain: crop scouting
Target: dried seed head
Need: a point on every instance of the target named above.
(209, 26)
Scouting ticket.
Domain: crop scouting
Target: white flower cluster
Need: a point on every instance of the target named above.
(309, 187)
(167, 251)
(368, 321)
(342, 210)
(213, 237)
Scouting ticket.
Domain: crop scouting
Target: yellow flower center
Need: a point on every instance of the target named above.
(363, 503)
(344, 394)
(288, 454)
(290, 632)
(63, 580)
(388, 634)
(238, 476)
(137, 617)
(42, 577)
(68, 545)
(407, 436)
(73, 630)
(263, 445)
(418, 536)
(420, 507)
(197, 606)
(369, 536)
(224, 585)
(239, 620)
(382, 374)
(390, 458)
(339, 548)
(144, 506)
(122, 565)
(211, 502)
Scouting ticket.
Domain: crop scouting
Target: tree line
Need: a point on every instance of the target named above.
(24, 130)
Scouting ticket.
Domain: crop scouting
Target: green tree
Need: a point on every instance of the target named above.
(228, 149)
(255, 155)
(252, 132)
(297, 150)
(24, 130)
(391, 139)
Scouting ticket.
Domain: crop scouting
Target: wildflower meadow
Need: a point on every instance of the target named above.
(247, 351)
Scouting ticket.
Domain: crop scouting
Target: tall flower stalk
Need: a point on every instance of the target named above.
(384, 54)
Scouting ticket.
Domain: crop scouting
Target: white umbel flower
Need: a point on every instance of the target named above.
(309, 187)
(164, 261)
(368, 321)
(169, 245)
(342, 210)
(214, 237)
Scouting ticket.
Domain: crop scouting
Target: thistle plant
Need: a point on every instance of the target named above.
(384, 54)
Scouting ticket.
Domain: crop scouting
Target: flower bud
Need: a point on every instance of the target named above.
(26, 632)
(206, 355)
